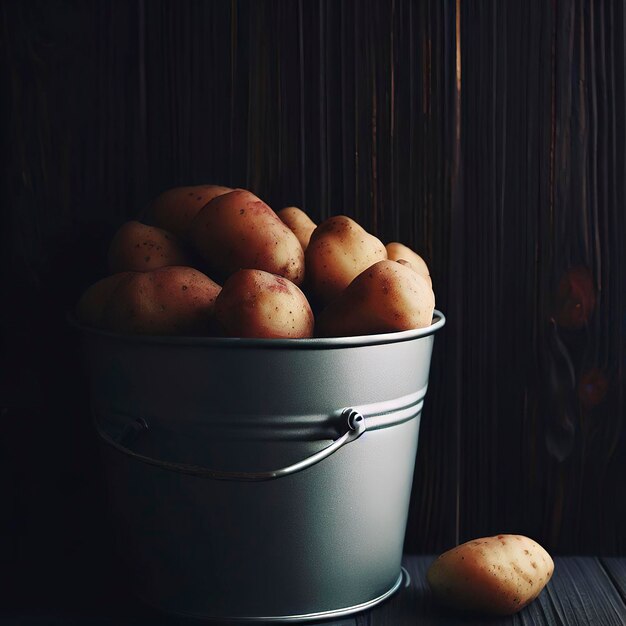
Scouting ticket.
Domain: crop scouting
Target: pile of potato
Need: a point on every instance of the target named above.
(211, 260)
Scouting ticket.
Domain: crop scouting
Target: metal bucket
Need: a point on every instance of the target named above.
(260, 480)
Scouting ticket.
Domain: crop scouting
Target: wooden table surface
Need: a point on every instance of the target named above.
(584, 591)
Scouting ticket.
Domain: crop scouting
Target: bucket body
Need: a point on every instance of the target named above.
(238, 484)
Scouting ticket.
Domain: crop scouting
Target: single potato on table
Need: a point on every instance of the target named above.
(175, 208)
(254, 303)
(137, 247)
(299, 222)
(339, 250)
(397, 251)
(496, 575)
(387, 297)
(237, 231)
(167, 301)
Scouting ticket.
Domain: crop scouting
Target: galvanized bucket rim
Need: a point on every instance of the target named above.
(317, 343)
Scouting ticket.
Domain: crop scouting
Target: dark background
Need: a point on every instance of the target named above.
(489, 135)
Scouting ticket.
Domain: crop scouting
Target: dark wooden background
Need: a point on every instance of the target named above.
(489, 135)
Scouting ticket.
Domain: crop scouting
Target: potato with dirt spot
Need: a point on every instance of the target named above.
(386, 297)
(498, 575)
(167, 301)
(339, 250)
(254, 303)
(397, 251)
(238, 230)
(91, 304)
(299, 222)
(136, 247)
(175, 209)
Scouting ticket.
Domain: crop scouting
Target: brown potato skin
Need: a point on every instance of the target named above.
(167, 301)
(299, 222)
(254, 303)
(175, 209)
(136, 247)
(91, 304)
(339, 250)
(237, 231)
(386, 297)
(397, 251)
(494, 575)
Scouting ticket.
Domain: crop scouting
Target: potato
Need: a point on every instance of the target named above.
(137, 247)
(386, 297)
(254, 303)
(397, 251)
(95, 298)
(299, 222)
(167, 301)
(237, 231)
(175, 209)
(339, 250)
(498, 575)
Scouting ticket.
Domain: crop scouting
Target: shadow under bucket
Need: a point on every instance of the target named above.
(260, 479)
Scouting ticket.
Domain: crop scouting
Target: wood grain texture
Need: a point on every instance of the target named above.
(616, 570)
(490, 136)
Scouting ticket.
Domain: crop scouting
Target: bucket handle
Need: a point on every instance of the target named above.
(355, 428)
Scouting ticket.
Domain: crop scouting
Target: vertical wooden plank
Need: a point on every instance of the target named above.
(544, 423)
(582, 408)
(56, 210)
(434, 214)
(506, 142)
